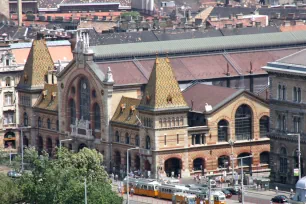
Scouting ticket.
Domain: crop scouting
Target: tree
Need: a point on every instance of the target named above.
(9, 192)
(61, 180)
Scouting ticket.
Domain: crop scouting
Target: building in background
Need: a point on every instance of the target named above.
(287, 109)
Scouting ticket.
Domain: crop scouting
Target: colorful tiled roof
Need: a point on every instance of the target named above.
(38, 63)
(126, 111)
(48, 98)
(162, 91)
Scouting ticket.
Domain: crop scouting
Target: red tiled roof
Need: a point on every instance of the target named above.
(196, 67)
(200, 94)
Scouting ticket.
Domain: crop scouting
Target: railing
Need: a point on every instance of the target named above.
(145, 152)
(9, 125)
(81, 129)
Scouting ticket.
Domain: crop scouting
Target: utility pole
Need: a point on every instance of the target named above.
(85, 184)
(231, 143)
(21, 140)
(127, 172)
(209, 192)
(242, 191)
(299, 151)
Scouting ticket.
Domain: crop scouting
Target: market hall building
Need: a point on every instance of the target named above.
(104, 88)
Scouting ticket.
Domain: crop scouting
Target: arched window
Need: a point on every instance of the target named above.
(117, 136)
(223, 161)
(296, 124)
(299, 95)
(8, 81)
(57, 125)
(222, 131)
(127, 138)
(294, 94)
(247, 161)
(243, 123)
(279, 91)
(25, 119)
(72, 111)
(198, 164)
(264, 158)
(84, 99)
(148, 142)
(283, 163)
(137, 140)
(284, 92)
(97, 117)
(39, 122)
(264, 126)
(49, 123)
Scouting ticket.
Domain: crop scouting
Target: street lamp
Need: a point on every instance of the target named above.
(299, 150)
(127, 172)
(60, 142)
(21, 141)
(231, 143)
(242, 195)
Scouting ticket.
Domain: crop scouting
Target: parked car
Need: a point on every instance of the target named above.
(227, 193)
(13, 174)
(233, 191)
(279, 199)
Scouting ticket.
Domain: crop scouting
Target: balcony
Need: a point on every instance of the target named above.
(81, 130)
(9, 125)
(145, 152)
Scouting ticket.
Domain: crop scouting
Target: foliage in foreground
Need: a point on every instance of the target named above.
(61, 180)
(9, 192)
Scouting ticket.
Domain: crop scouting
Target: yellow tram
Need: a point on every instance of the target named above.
(146, 187)
(166, 191)
(183, 198)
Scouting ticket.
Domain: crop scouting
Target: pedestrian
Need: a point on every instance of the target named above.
(116, 177)
(276, 189)
(291, 193)
(119, 189)
(132, 191)
(259, 187)
(201, 202)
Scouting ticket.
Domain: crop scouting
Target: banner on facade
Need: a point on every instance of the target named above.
(296, 172)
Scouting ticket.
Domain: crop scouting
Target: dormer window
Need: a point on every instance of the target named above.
(8, 81)
(45, 92)
(53, 95)
(169, 99)
(132, 110)
(122, 106)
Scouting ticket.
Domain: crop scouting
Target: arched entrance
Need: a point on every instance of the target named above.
(117, 160)
(223, 161)
(40, 144)
(246, 161)
(49, 147)
(10, 140)
(173, 165)
(137, 162)
(81, 146)
(25, 141)
(198, 164)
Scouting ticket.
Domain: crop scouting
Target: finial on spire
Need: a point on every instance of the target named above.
(156, 61)
(167, 58)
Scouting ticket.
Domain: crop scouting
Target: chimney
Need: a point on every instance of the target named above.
(227, 70)
(19, 13)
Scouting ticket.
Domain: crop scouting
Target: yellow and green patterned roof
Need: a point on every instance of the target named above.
(38, 63)
(48, 98)
(162, 91)
(126, 111)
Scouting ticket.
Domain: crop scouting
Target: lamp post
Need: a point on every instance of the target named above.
(60, 142)
(127, 172)
(299, 151)
(242, 193)
(21, 144)
(231, 143)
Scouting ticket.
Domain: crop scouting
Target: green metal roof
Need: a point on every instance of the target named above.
(255, 41)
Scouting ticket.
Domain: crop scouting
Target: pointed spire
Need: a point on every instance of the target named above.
(162, 90)
(38, 63)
